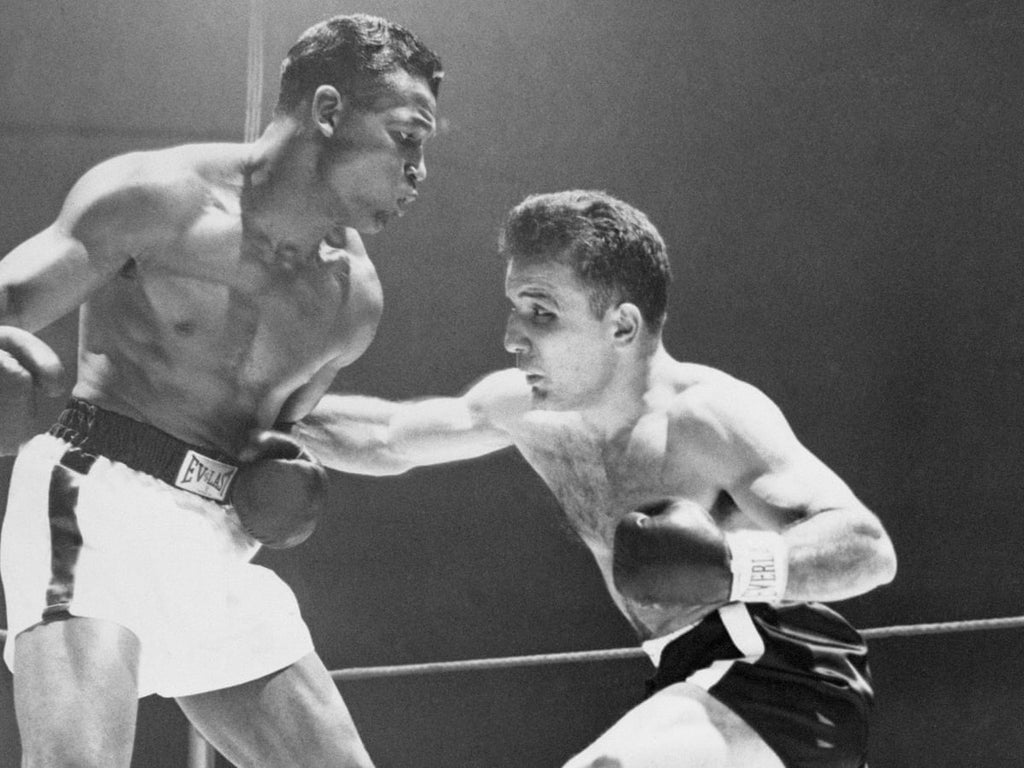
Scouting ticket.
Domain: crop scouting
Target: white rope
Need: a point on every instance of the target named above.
(201, 755)
(254, 71)
(611, 654)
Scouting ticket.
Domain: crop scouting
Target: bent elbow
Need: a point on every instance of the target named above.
(881, 553)
(887, 564)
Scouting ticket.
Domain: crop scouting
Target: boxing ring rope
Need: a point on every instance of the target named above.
(202, 755)
(254, 71)
(613, 654)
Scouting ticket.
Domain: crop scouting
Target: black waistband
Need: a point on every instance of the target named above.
(203, 471)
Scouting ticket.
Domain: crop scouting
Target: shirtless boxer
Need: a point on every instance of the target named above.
(220, 287)
(713, 526)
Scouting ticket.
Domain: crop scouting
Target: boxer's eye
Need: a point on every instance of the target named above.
(408, 139)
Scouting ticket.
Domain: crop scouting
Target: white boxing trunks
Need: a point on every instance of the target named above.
(87, 536)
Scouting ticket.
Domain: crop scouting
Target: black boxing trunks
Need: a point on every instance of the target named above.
(796, 673)
(202, 471)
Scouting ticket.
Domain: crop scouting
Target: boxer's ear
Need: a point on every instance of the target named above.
(626, 322)
(327, 108)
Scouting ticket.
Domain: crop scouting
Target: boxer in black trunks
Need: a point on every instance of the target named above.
(712, 525)
(796, 673)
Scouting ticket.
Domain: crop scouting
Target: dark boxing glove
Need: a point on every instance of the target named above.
(28, 369)
(280, 490)
(672, 552)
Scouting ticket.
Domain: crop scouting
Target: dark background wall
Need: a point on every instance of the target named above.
(840, 187)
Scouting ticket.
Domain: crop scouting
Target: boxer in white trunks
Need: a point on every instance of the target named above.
(220, 288)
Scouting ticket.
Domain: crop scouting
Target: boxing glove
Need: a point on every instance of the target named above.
(280, 490)
(673, 552)
(28, 368)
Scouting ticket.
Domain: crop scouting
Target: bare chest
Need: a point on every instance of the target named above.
(252, 318)
(596, 481)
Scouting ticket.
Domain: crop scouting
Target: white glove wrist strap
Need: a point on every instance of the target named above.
(759, 564)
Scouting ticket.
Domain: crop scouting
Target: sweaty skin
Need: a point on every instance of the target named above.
(669, 446)
(611, 421)
(207, 332)
(220, 287)
(199, 327)
(223, 286)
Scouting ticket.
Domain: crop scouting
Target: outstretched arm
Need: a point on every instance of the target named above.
(366, 435)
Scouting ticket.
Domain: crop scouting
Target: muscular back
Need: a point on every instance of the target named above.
(191, 322)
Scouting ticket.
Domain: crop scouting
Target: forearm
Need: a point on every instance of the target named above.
(837, 554)
(365, 435)
(351, 433)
